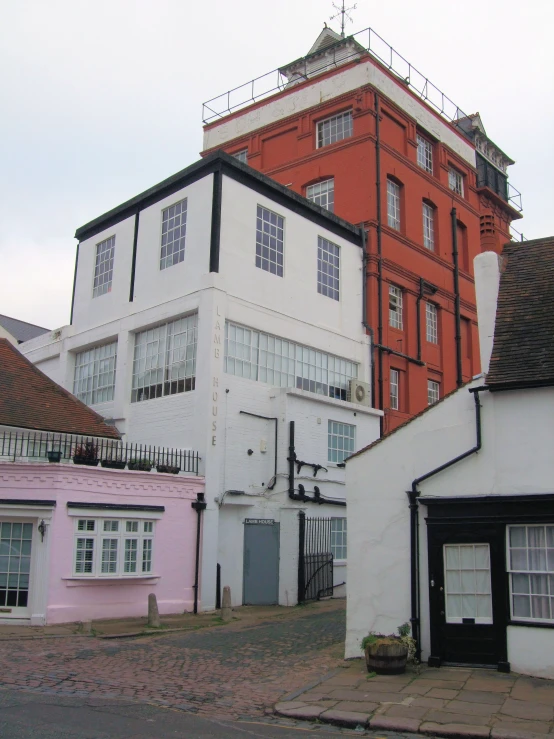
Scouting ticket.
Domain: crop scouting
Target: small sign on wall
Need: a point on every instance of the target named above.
(264, 521)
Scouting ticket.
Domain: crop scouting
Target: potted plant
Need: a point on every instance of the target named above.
(86, 453)
(141, 465)
(54, 455)
(389, 655)
(169, 468)
(114, 464)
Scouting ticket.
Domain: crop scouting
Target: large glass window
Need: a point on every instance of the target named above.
(322, 193)
(531, 568)
(334, 129)
(94, 380)
(424, 153)
(328, 268)
(338, 538)
(341, 441)
(428, 227)
(174, 229)
(393, 204)
(165, 359)
(103, 267)
(395, 307)
(269, 241)
(259, 356)
(113, 547)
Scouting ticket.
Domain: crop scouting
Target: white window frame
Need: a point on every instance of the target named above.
(424, 153)
(241, 155)
(393, 204)
(94, 374)
(396, 307)
(532, 574)
(122, 535)
(433, 391)
(279, 362)
(431, 323)
(173, 236)
(270, 241)
(339, 538)
(394, 384)
(328, 268)
(323, 194)
(456, 181)
(164, 361)
(428, 216)
(341, 441)
(333, 129)
(103, 267)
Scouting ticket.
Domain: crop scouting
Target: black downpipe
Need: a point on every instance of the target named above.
(379, 255)
(301, 555)
(413, 495)
(199, 505)
(74, 283)
(301, 495)
(459, 378)
(218, 587)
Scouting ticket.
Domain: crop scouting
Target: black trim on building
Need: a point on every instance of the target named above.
(74, 284)
(215, 236)
(116, 507)
(134, 257)
(219, 161)
(15, 501)
(532, 624)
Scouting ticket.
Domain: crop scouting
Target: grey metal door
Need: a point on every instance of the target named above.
(261, 563)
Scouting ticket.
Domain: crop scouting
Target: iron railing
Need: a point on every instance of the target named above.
(517, 235)
(315, 565)
(371, 42)
(21, 446)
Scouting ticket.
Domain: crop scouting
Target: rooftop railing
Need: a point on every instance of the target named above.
(368, 40)
(16, 446)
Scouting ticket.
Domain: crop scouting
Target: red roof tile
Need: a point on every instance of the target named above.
(29, 399)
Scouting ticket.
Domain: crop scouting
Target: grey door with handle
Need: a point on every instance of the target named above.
(261, 564)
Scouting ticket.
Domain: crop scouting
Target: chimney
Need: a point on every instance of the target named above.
(487, 279)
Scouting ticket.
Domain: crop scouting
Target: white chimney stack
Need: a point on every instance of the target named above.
(487, 280)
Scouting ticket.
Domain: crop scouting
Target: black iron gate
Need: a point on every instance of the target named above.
(315, 561)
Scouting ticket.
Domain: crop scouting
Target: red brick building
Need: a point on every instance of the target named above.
(380, 145)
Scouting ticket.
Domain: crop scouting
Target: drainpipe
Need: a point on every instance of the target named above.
(379, 255)
(413, 495)
(459, 378)
(199, 505)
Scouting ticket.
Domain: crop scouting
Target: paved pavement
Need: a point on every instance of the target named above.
(230, 671)
(445, 702)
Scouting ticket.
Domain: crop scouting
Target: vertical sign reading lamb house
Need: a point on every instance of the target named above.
(217, 349)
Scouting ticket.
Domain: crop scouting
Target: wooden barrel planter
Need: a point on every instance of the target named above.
(386, 657)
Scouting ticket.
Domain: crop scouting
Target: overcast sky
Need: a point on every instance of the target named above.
(102, 99)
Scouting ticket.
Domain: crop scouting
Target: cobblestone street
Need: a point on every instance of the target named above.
(229, 671)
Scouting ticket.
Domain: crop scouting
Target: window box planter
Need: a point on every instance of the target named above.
(140, 465)
(86, 454)
(78, 459)
(170, 469)
(54, 456)
(113, 464)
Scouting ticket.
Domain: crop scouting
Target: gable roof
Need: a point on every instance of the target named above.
(21, 330)
(523, 348)
(29, 399)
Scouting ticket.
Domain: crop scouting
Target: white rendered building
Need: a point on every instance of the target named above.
(209, 313)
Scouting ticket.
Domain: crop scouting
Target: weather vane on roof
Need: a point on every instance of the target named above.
(344, 15)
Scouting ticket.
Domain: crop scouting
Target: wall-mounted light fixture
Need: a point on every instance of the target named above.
(42, 529)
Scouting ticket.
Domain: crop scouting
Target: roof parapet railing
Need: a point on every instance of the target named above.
(517, 235)
(514, 197)
(371, 42)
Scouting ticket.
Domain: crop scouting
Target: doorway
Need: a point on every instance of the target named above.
(261, 562)
(15, 568)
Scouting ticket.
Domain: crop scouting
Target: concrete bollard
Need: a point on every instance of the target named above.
(226, 610)
(153, 613)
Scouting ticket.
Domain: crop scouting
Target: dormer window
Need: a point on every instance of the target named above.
(334, 129)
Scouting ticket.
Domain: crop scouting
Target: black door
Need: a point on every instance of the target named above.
(467, 594)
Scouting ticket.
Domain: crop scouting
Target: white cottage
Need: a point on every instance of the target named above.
(451, 517)
(221, 312)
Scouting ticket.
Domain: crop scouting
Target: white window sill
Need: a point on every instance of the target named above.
(74, 580)
(339, 562)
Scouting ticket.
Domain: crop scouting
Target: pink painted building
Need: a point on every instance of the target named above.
(80, 541)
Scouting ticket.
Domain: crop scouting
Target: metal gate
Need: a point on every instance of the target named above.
(315, 562)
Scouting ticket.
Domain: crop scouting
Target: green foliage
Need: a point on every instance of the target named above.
(403, 636)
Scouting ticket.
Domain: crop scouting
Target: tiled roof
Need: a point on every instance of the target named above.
(21, 330)
(29, 399)
(523, 350)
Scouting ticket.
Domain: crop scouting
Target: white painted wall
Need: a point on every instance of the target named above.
(515, 459)
(318, 90)
(208, 419)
